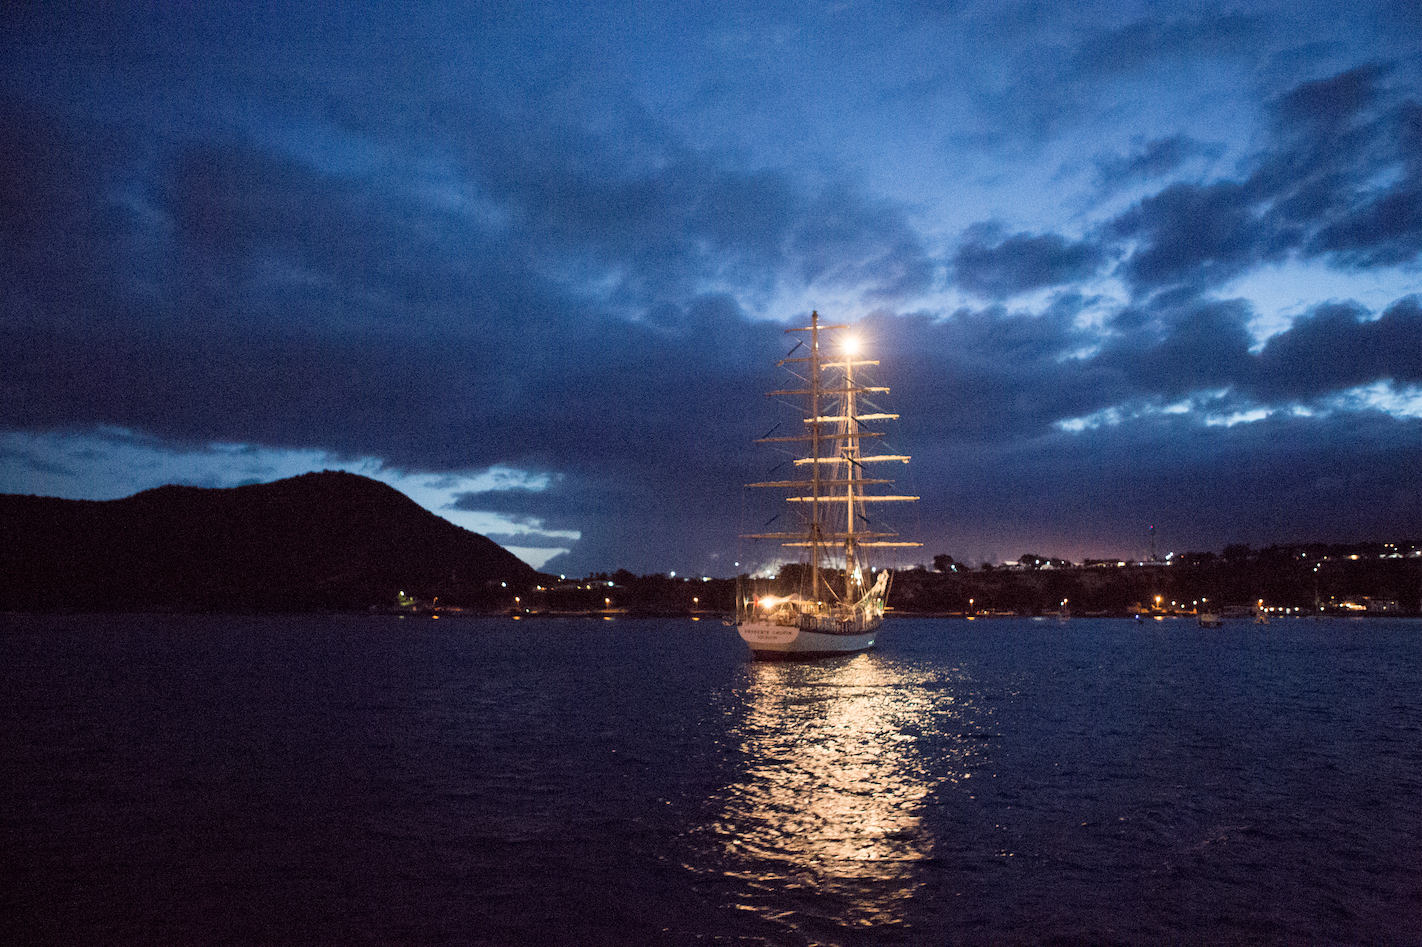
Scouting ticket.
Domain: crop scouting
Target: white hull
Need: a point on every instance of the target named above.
(770, 640)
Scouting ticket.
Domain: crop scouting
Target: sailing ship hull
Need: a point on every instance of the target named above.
(771, 641)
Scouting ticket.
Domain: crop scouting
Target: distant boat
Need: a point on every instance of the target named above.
(1208, 620)
(840, 604)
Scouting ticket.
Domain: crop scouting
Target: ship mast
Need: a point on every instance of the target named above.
(815, 538)
(829, 451)
(853, 474)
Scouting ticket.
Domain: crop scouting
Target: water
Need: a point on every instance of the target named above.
(346, 780)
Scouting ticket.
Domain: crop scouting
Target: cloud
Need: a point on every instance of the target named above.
(61, 234)
(1022, 263)
(1151, 160)
(660, 217)
(1332, 105)
(1204, 345)
(1338, 346)
(1386, 231)
(1192, 235)
(992, 376)
(1196, 358)
(1339, 180)
(1278, 480)
(1144, 44)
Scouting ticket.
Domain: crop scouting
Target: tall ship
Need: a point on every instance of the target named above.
(838, 606)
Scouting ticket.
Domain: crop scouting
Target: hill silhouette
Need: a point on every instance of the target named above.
(327, 540)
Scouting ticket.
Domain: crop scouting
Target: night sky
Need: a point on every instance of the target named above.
(1125, 264)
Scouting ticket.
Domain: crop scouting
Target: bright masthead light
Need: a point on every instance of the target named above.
(850, 345)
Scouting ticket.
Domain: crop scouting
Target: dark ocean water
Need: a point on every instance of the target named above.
(349, 780)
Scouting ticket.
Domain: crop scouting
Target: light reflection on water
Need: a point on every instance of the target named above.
(825, 824)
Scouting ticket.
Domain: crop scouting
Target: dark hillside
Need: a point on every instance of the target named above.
(319, 541)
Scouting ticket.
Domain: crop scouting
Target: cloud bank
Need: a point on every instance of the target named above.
(550, 243)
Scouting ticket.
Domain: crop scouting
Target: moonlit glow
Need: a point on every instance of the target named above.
(1404, 402)
(841, 809)
(1238, 417)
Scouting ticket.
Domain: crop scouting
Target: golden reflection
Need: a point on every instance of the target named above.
(840, 759)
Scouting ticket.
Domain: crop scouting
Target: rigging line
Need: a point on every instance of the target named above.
(772, 430)
(792, 351)
(769, 521)
(795, 374)
(740, 540)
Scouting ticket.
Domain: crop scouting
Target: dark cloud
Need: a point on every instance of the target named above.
(997, 378)
(62, 233)
(1339, 346)
(1368, 191)
(1151, 160)
(1383, 232)
(1340, 180)
(1281, 479)
(1191, 234)
(231, 200)
(1065, 81)
(1203, 346)
(1327, 106)
(1022, 263)
(1144, 44)
(673, 216)
(986, 375)
(845, 241)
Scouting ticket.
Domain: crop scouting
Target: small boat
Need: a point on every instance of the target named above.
(839, 605)
(1209, 620)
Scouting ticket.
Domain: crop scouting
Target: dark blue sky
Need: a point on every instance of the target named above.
(1125, 264)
